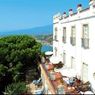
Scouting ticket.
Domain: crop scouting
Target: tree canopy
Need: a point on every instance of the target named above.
(18, 55)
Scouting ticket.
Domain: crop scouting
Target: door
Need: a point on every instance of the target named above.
(64, 58)
(85, 72)
(73, 65)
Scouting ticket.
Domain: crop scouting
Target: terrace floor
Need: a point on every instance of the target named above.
(76, 88)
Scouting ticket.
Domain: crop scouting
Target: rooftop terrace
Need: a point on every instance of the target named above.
(58, 83)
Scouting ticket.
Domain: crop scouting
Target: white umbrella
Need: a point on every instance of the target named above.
(48, 53)
(54, 59)
(89, 92)
(68, 72)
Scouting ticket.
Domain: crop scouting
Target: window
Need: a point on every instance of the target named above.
(94, 75)
(55, 51)
(64, 58)
(55, 37)
(55, 28)
(73, 36)
(73, 32)
(72, 62)
(85, 31)
(64, 34)
(85, 36)
(85, 72)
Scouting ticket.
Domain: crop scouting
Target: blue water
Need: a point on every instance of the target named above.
(46, 48)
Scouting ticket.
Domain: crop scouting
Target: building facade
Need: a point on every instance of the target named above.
(74, 41)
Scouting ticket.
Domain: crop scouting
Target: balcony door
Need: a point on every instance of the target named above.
(85, 31)
(64, 58)
(73, 32)
(85, 36)
(73, 35)
(64, 34)
(85, 72)
(55, 51)
(55, 36)
(73, 65)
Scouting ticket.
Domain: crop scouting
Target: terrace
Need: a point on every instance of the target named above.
(61, 83)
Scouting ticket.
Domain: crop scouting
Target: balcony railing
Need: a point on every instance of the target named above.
(49, 82)
(55, 38)
(64, 39)
(73, 41)
(85, 43)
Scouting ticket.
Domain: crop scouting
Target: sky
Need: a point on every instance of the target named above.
(24, 14)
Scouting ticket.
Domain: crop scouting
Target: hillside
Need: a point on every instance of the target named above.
(45, 39)
(43, 30)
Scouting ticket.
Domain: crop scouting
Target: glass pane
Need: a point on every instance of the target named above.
(85, 31)
(64, 31)
(73, 32)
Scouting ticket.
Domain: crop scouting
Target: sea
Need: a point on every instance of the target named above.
(46, 48)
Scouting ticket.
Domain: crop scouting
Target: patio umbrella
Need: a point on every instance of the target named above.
(89, 92)
(67, 72)
(48, 53)
(55, 59)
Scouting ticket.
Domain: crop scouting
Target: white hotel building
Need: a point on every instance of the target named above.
(74, 41)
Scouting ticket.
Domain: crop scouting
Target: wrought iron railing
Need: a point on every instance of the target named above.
(55, 38)
(64, 39)
(85, 43)
(73, 41)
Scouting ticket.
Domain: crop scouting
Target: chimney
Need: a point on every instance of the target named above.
(79, 7)
(70, 12)
(64, 14)
(92, 4)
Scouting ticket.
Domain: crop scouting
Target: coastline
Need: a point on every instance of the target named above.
(45, 43)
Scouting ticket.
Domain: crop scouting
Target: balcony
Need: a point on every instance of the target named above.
(73, 41)
(64, 39)
(55, 38)
(85, 43)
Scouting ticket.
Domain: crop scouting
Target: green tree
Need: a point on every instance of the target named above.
(3, 70)
(16, 89)
(18, 55)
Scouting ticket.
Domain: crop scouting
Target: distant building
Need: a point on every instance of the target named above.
(74, 41)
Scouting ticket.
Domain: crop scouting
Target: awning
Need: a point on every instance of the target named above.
(54, 59)
(48, 53)
(67, 72)
(89, 92)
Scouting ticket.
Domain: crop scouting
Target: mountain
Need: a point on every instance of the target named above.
(45, 39)
(43, 30)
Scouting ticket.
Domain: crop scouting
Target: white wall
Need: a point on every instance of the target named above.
(80, 54)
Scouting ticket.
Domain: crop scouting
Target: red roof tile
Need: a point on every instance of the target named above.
(58, 75)
(50, 67)
(56, 83)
